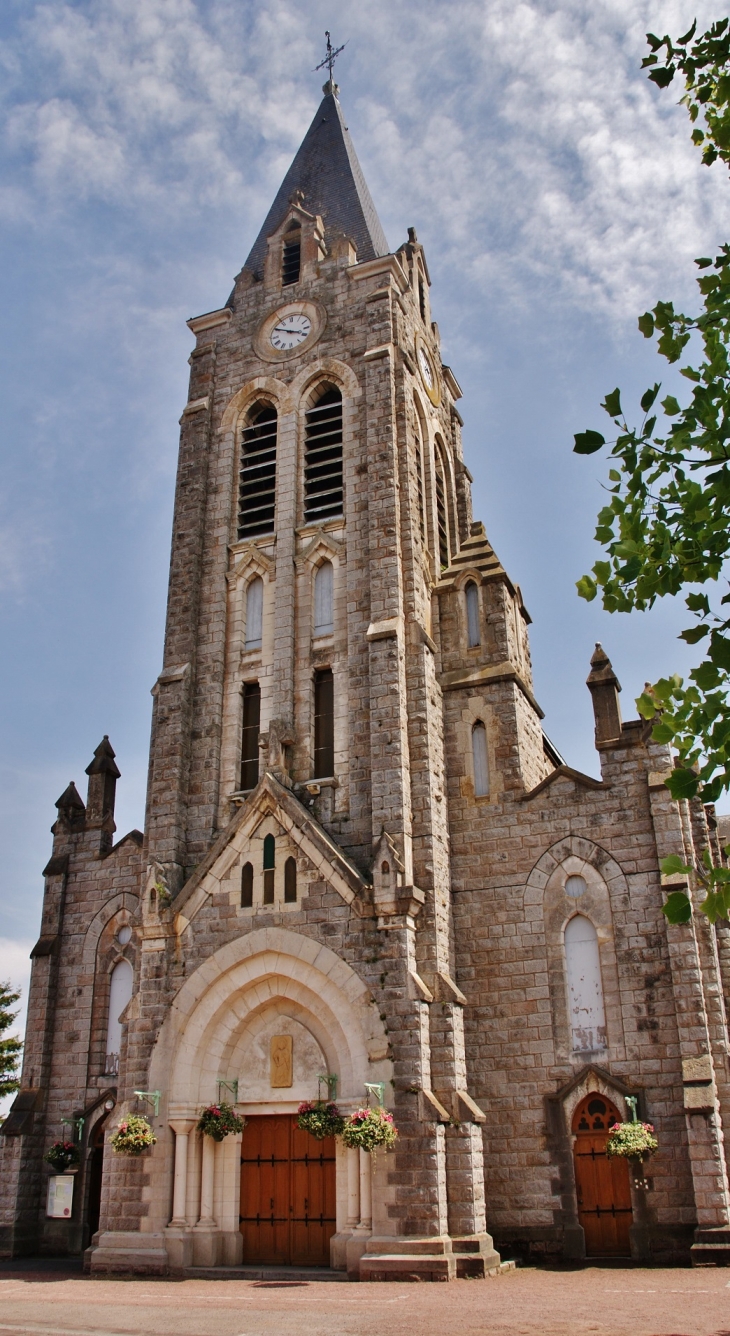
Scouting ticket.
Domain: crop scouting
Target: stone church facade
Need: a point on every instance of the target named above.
(363, 862)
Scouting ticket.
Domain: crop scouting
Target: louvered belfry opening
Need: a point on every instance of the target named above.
(250, 735)
(441, 512)
(291, 258)
(324, 724)
(323, 459)
(257, 479)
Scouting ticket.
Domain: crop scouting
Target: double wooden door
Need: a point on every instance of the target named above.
(604, 1193)
(287, 1207)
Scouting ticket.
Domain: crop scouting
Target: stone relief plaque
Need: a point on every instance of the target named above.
(281, 1061)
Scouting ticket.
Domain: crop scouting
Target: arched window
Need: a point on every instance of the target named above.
(422, 297)
(250, 735)
(481, 759)
(323, 459)
(247, 886)
(585, 990)
(269, 864)
(441, 511)
(254, 613)
(472, 615)
(419, 489)
(291, 255)
(257, 479)
(323, 600)
(120, 991)
(290, 881)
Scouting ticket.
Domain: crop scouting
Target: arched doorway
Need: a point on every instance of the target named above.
(604, 1194)
(95, 1171)
(288, 1206)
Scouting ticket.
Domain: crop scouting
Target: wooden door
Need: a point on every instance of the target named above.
(287, 1193)
(604, 1194)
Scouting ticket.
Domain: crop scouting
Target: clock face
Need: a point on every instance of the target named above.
(426, 368)
(289, 331)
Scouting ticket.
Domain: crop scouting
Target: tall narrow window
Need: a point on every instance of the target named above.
(422, 297)
(324, 724)
(291, 256)
(585, 990)
(257, 479)
(290, 881)
(323, 600)
(472, 615)
(481, 760)
(441, 518)
(120, 991)
(250, 735)
(254, 613)
(247, 886)
(419, 489)
(269, 864)
(323, 459)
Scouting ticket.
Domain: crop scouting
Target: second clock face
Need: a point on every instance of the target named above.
(426, 368)
(289, 331)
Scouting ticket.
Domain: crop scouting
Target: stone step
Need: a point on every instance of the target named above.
(273, 1275)
(408, 1266)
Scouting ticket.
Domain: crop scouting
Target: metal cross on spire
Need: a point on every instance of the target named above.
(330, 58)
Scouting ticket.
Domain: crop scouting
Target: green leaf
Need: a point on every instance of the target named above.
(612, 403)
(663, 733)
(614, 475)
(587, 588)
(682, 783)
(587, 442)
(698, 603)
(663, 76)
(648, 398)
(694, 634)
(646, 324)
(646, 705)
(714, 906)
(677, 907)
(670, 406)
(683, 41)
(672, 865)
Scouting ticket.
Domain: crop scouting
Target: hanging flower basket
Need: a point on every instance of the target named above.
(63, 1156)
(320, 1118)
(133, 1136)
(632, 1141)
(219, 1120)
(369, 1129)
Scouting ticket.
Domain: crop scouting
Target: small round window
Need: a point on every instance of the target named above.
(575, 887)
(124, 935)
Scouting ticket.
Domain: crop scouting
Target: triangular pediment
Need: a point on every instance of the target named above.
(270, 809)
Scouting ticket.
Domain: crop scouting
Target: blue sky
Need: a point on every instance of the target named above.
(556, 192)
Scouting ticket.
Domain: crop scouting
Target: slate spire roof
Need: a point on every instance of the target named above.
(330, 178)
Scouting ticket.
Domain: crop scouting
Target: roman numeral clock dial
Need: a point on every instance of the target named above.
(289, 331)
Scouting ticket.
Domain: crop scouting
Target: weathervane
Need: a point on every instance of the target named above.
(330, 58)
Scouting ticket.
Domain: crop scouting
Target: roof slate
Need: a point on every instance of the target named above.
(328, 174)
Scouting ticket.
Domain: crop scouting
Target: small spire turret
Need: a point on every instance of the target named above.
(604, 687)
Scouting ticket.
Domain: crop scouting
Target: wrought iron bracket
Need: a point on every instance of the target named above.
(376, 1088)
(231, 1086)
(152, 1097)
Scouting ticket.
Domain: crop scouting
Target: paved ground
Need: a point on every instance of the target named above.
(521, 1303)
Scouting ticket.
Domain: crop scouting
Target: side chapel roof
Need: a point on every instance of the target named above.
(329, 177)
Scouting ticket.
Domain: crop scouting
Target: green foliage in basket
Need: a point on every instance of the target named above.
(369, 1129)
(62, 1155)
(320, 1118)
(631, 1140)
(219, 1120)
(133, 1136)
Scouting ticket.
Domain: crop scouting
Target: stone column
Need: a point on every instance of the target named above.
(366, 1191)
(182, 1128)
(207, 1184)
(353, 1188)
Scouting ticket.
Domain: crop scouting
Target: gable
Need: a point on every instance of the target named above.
(271, 810)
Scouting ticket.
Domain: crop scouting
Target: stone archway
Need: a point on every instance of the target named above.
(269, 984)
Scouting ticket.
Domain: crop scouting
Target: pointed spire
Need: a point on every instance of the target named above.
(604, 687)
(103, 762)
(70, 800)
(330, 182)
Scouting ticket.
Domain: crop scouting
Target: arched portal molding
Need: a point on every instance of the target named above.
(329, 369)
(268, 387)
(203, 1035)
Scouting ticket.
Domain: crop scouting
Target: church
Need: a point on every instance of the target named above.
(365, 873)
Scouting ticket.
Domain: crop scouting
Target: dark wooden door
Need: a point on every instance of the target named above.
(604, 1194)
(287, 1193)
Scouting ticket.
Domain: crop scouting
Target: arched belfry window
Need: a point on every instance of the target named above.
(587, 1015)
(480, 758)
(441, 510)
(257, 479)
(291, 255)
(254, 613)
(323, 459)
(120, 992)
(420, 494)
(471, 594)
(269, 865)
(324, 600)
